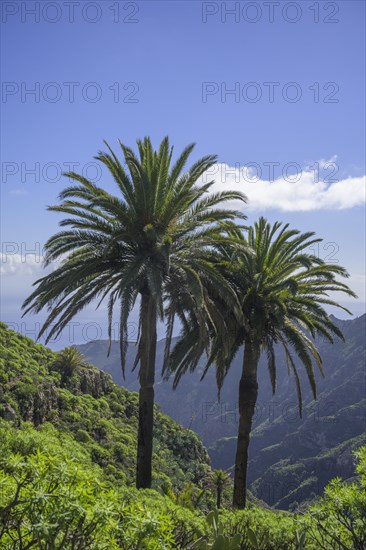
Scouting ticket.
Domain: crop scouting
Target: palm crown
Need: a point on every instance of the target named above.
(159, 235)
(282, 289)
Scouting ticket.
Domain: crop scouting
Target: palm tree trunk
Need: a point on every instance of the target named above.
(146, 393)
(248, 393)
(218, 498)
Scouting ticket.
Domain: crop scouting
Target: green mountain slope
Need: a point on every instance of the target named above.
(94, 411)
(287, 453)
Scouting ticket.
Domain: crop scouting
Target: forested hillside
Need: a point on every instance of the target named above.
(67, 459)
(92, 410)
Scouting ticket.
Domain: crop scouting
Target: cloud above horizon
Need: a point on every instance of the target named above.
(27, 264)
(303, 189)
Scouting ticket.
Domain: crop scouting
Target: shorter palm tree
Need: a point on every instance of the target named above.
(68, 361)
(220, 480)
(282, 290)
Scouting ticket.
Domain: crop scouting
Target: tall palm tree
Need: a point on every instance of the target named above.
(154, 244)
(282, 290)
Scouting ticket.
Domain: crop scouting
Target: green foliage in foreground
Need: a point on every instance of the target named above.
(67, 447)
(339, 519)
(53, 496)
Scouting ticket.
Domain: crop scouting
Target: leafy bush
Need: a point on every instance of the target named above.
(56, 496)
(338, 520)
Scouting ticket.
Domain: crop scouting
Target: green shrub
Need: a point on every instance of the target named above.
(338, 520)
(83, 436)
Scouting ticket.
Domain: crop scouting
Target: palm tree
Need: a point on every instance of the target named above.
(220, 479)
(68, 361)
(154, 244)
(282, 290)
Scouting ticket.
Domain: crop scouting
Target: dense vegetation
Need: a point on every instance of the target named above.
(88, 407)
(66, 474)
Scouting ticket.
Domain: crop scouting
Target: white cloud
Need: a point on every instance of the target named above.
(21, 264)
(324, 163)
(302, 190)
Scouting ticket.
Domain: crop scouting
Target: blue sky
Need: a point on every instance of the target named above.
(296, 72)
